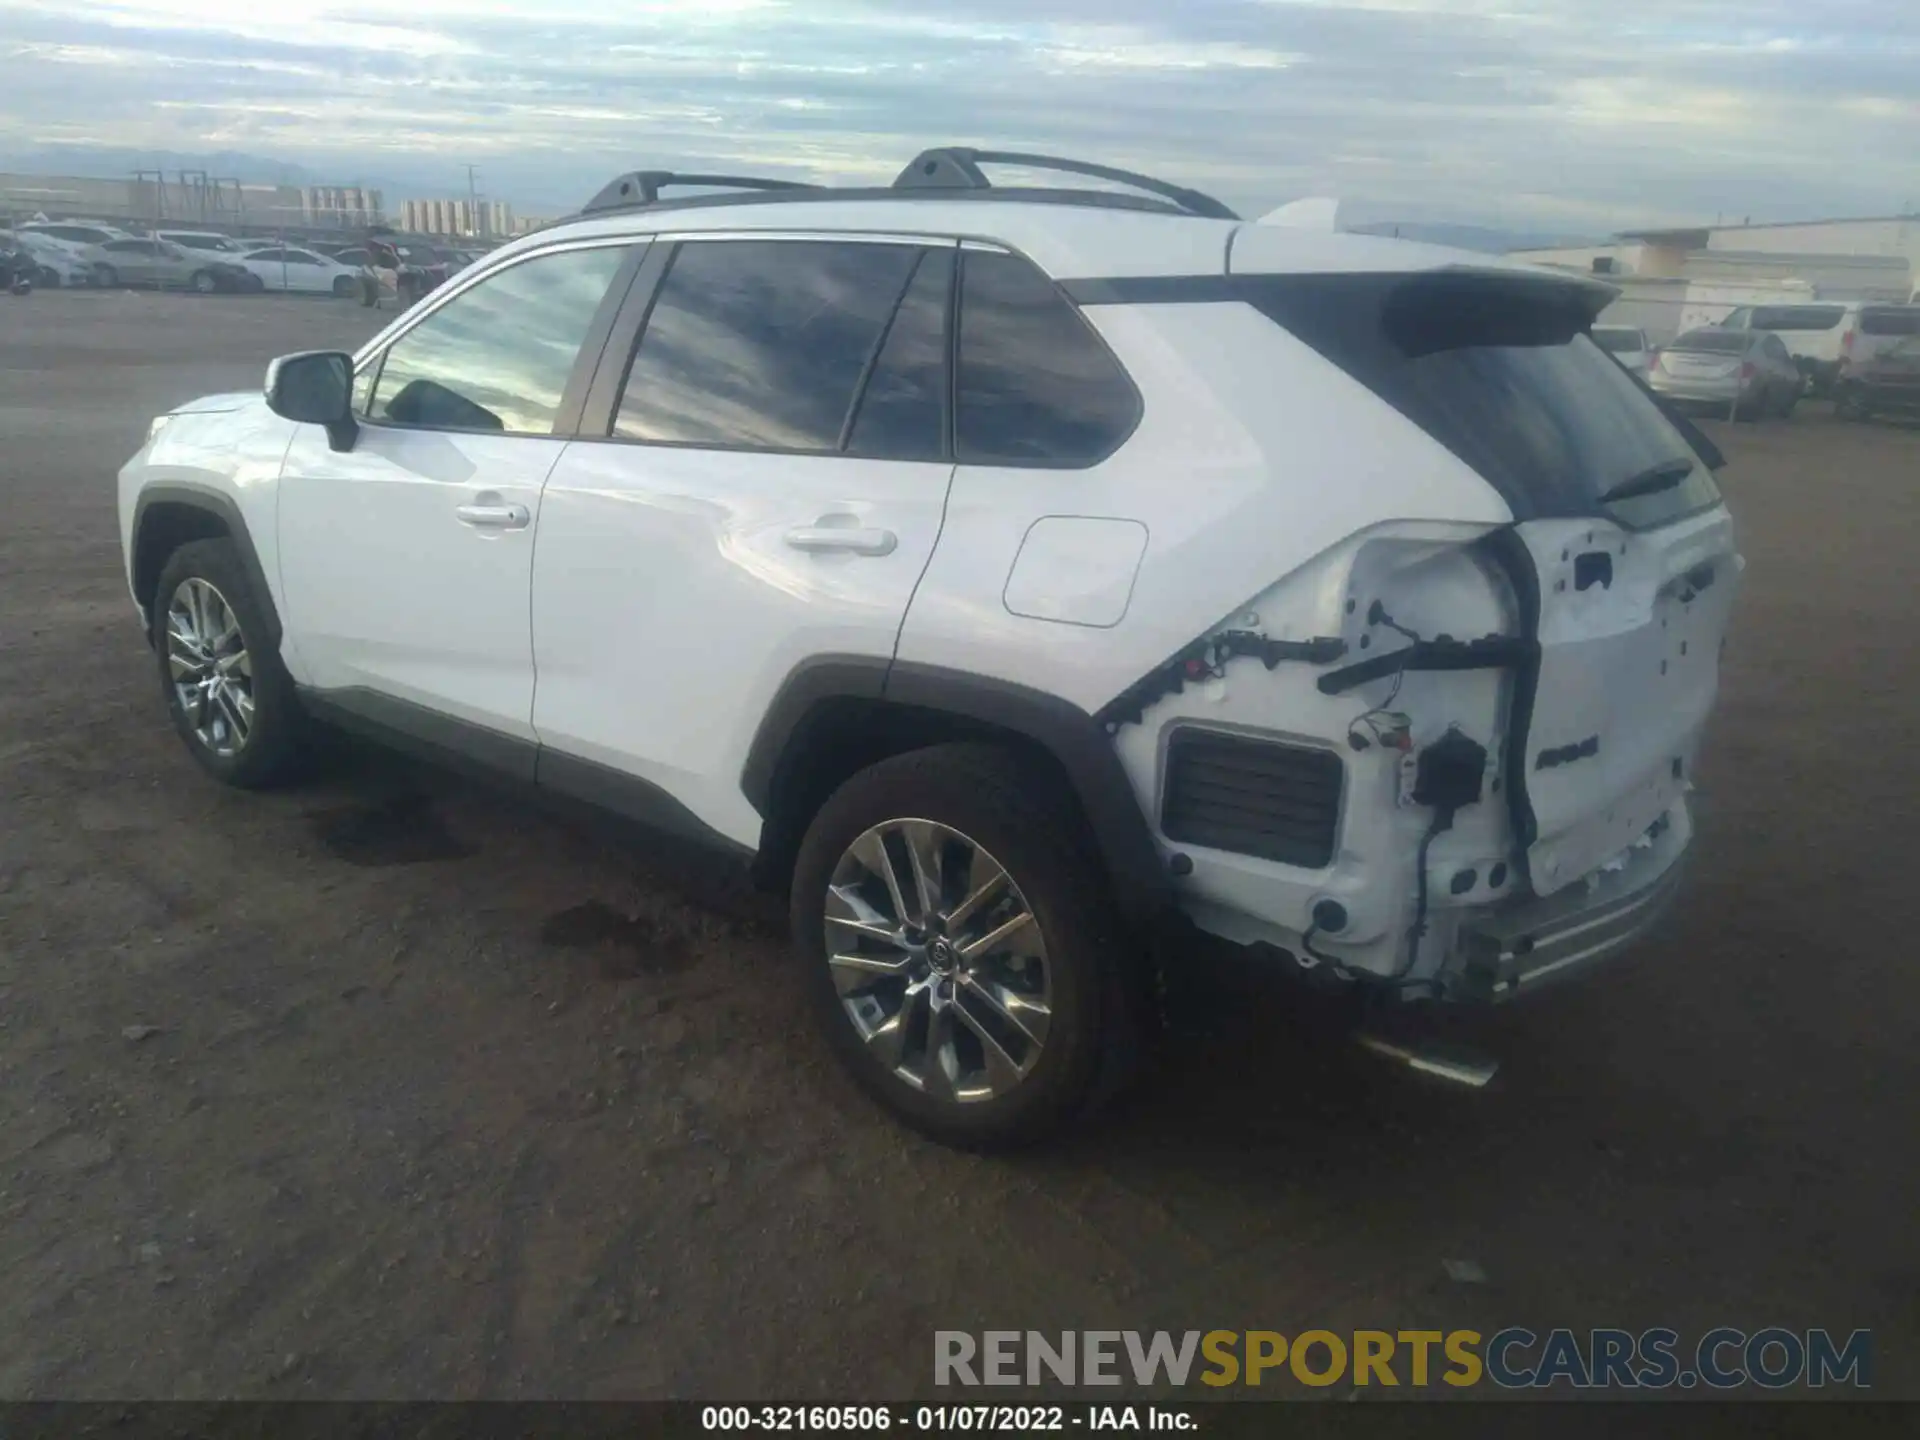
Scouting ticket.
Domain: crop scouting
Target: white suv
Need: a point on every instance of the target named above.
(1006, 572)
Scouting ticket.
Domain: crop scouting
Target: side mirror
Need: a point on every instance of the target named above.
(315, 388)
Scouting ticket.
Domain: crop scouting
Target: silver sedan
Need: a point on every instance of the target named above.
(1745, 373)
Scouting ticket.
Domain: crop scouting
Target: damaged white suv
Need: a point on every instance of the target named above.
(1004, 571)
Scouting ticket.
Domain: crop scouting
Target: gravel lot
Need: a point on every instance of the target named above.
(450, 1099)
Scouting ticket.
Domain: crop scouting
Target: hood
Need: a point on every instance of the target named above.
(217, 404)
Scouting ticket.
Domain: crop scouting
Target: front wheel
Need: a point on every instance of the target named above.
(343, 287)
(962, 947)
(105, 276)
(204, 283)
(230, 697)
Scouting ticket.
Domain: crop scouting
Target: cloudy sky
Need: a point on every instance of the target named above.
(1570, 116)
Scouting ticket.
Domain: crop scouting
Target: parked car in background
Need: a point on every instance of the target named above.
(1746, 372)
(56, 262)
(288, 268)
(75, 232)
(1878, 328)
(201, 240)
(1626, 344)
(167, 266)
(1815, 335)
(1887, 382)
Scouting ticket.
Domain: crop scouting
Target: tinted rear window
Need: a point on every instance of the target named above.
(1905, 321)
(1712, 342)
(1501, 373)
(761, 344)
(1796, 317)
(1617, 342)
(1036, 385)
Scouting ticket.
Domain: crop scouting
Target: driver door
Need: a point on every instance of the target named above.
(406, 561)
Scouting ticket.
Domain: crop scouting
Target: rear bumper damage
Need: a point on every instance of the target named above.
(1519, 948)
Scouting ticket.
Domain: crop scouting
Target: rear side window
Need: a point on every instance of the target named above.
(903, 411)
(761, 344)
(1036, 385)
(1500, 372)
(1903, 321)
(1796, 317)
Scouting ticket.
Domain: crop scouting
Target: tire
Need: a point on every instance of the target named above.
(343, 287)
(105, 276)
(1847, 404)
(1071, 954)
(203, 282)
(270, 751)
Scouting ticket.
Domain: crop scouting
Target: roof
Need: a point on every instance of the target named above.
(1682, 231)
(1825, 260)
(1071, 233)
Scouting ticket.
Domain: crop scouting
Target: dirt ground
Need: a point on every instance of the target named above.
(446, 1098)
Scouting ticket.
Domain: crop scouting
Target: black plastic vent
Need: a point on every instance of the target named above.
(1253, 797)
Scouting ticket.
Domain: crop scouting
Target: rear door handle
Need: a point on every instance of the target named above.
(825, 539)
(494, 517)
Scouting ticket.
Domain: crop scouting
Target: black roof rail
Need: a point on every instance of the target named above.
(957, 167)
(643, 187)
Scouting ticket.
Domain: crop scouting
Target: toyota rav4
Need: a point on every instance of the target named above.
(1005, 572)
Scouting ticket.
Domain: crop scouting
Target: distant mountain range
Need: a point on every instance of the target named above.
(1462, 237)
(411, 180)
(109, 162)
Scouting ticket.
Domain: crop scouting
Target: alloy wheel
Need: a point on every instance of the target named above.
(938, 960)
(208, 664)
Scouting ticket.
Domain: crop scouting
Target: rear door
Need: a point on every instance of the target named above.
(132, 260)
(270, 266)
(305, 272)
(767, 489)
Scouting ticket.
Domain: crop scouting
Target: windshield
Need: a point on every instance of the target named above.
(1501, 374)
(1616, 341)
(1712, 342)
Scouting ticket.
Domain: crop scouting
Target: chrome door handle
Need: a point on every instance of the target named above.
(495, 517)
(824, 539)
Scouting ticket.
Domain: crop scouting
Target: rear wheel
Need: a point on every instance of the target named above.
(343, 286)
(204, 283)
(962, 948)
(231, 699)
(105, 275)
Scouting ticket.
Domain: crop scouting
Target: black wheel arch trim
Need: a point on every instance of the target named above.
(223, 508)
(1071, 736)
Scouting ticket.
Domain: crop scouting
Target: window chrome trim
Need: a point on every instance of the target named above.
(831, 237)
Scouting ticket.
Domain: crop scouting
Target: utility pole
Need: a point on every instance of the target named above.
(473, 201)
